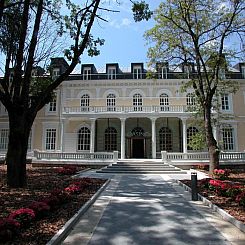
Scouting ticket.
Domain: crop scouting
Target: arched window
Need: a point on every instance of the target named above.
(228, 138)
(190, 99)
(110, 139)
(111, 102)
(164, 102)
(85, 102)
(83, 143)
(165, 138)
(137, 102)
(191, 131)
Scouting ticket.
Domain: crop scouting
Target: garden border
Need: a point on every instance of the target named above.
(64, 231)
(215, 208)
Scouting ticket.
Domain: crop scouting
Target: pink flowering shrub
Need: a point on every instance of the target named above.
(241, 198)
(221, 174)
(62, 195)
(73, 189)
(204, 182)
(67, 170)
(219, 186)
(235, 190)
(8, 229)
(52, 201)
(41, 209)
(23, 215)
(226, 188)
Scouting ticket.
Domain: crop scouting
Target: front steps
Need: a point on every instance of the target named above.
(143, 166)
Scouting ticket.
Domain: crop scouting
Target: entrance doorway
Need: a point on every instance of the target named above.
(138, 148)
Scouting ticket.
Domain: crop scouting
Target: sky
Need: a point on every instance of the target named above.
(124, 41)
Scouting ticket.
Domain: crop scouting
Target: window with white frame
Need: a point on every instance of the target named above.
(110, 139)
(111, 102)
(165, 139)
(225, 102)
(137, 102)
(191, 131)
(228, 138)
(53, 104)
(190, 99)
(55, 73)
(163, 72)
(137, 72)
(83, 143)
(4, 138)
(243, 71)
(87, 73)
(50, 140)
(221, 73)
(164, 102)
(85, 102)
(112, 73)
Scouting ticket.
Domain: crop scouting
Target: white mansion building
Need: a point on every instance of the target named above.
(124, 111)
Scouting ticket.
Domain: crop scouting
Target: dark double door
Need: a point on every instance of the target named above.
(137, 147)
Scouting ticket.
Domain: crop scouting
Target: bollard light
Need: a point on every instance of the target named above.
(194, 194)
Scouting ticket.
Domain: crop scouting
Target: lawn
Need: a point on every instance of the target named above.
(44, 183)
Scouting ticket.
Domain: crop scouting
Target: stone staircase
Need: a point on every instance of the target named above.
(141, 166)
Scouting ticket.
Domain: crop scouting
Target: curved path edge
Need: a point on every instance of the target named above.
(64, 231)
(217, 209)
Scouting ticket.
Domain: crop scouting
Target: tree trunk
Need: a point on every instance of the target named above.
(211, 142)
(19, 130)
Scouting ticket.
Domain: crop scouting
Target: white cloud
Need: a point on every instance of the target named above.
(125, 22)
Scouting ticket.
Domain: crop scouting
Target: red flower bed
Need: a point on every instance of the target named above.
(67, 170)
(221, 174)
(59, 198)
(23, 215)
(227, 194)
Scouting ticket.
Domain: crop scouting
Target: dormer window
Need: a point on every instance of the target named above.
(87, 73)
(56, 72)
(187, 69)
(137, 72)
(53, 104)
(222, 73)
(111, 72)
(243, 71)
(163, 72)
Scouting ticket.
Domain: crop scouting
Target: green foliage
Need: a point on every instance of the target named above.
(38, 85)
(141, 11)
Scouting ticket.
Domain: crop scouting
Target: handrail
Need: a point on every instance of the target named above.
(111, 156)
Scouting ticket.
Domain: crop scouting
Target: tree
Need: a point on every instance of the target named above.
(198, 32)
(21, 28)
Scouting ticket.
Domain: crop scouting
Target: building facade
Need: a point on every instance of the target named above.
(126, 111)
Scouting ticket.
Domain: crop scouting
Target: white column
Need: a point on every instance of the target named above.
(62, 129)
(123, 138)
(184, 128)
(92, 135)
(153, 138)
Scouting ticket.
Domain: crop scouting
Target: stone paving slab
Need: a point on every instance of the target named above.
(150, 209)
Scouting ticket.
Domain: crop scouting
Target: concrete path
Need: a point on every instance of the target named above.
(150, 209)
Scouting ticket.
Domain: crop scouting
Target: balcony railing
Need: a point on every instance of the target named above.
(126, 76)
(126, 109)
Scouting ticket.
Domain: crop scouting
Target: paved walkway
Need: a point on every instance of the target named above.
(150, 209)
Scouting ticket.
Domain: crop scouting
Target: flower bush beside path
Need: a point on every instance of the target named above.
(225, 189)
(21, 219)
